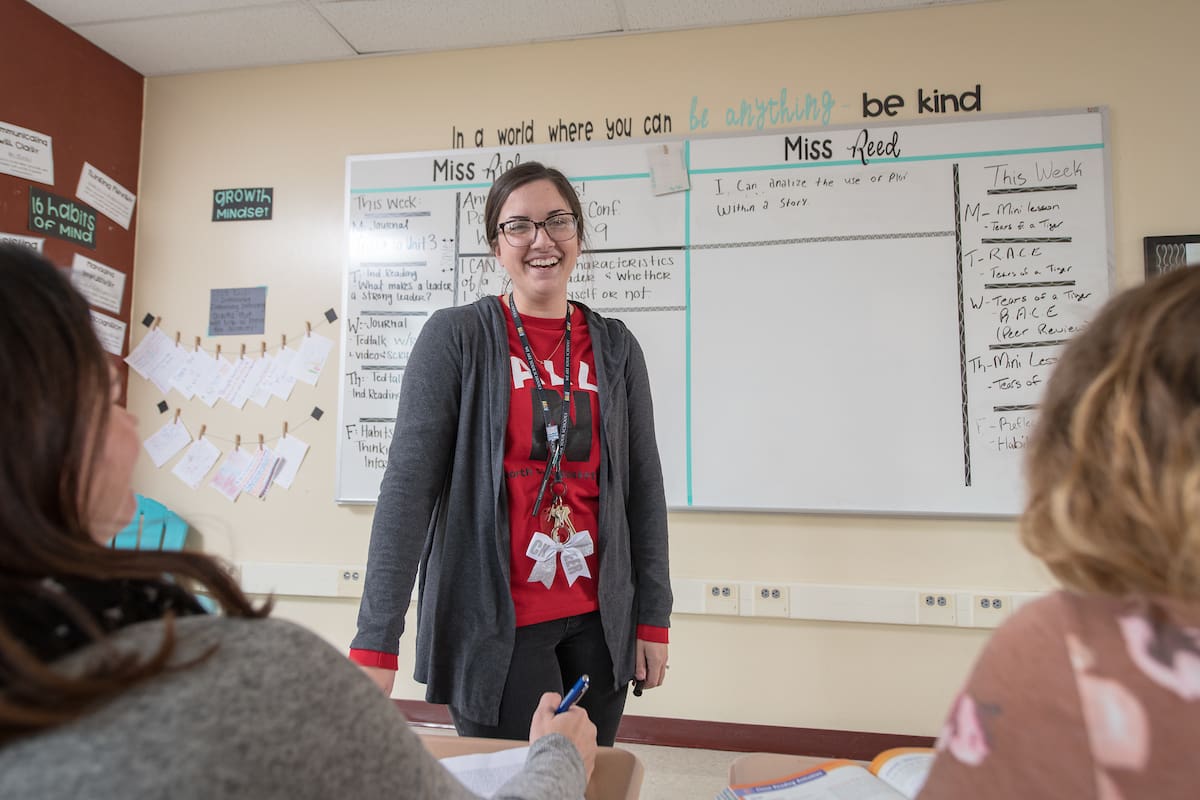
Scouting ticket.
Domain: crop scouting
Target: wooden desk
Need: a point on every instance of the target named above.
(617, 776)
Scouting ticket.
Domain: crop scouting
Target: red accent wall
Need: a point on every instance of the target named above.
(55, 82)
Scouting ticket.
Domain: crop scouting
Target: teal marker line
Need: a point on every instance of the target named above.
(629, 176)
(935, 157)
(687, 304)
(422, 188)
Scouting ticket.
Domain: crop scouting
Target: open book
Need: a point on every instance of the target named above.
(896, 774)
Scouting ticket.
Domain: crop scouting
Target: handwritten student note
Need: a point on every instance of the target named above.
(237, 312)
(310, 358)
(291, 451)
(258, 476)
(197, 372)
(210, 392)
(228, 480)
(279, 376)
(167, 441)
(149, 352)
(196, 462)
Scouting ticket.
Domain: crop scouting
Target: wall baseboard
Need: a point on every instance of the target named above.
(734, 737)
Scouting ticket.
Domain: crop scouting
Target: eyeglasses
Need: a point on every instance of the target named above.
(522, 232)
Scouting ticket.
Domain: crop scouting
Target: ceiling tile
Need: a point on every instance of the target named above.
(381, 26)
(641, 15)
(77, 12)
(248, 37)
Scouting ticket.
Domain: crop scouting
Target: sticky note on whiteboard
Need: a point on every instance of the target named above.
(668, 173)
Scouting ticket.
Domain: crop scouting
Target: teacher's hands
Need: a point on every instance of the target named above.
(572, 723)
(650, 664)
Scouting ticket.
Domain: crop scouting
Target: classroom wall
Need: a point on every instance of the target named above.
(292, 127)
(57, 83)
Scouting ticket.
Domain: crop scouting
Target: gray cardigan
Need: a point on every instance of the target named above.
(274, 712)
(443, 507)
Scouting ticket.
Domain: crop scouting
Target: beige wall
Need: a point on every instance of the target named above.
(292, 127)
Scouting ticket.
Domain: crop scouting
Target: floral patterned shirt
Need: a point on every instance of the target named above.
(1079, 696)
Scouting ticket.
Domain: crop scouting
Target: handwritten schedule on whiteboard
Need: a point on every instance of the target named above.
(852, 320)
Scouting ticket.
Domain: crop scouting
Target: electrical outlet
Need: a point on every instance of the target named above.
(350, 582)
(936, 608)
(721, 598)
(989, 610)
(769, 600)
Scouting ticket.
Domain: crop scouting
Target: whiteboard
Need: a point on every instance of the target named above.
(835, 319)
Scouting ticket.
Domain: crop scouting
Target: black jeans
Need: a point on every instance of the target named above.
(549, 657)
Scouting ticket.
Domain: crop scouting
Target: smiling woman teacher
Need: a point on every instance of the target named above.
(524, 481)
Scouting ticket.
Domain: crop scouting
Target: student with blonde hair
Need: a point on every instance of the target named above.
(1094, 691)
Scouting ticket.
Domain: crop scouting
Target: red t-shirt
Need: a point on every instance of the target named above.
(525, 461)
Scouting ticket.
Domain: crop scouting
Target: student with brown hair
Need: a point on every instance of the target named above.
(114, 683)
(1094, 691)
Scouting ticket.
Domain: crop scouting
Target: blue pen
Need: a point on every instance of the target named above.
(576, 692)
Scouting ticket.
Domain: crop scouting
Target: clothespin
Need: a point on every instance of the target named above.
(243, 355)
(263, 354)
(283, 339)
(203, 428)
(260, 442)
(178, 411)
(284, 429)
(156, 321)
(218, 351)
(237, 442)
(196, 346)
(177, 338)
(308, 329)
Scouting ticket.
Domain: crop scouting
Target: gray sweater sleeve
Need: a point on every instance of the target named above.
(418, 461)
(273, 712)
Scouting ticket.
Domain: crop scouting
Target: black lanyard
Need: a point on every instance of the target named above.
(556, 436)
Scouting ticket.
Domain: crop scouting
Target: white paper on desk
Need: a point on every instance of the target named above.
(291, 452)
(485, 773)
(310, 358)
(167, 441)
(196, 462)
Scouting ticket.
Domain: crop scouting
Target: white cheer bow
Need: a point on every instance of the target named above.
(547, 553)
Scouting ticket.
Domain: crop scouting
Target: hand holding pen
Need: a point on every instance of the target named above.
(572, 723)
(576, 692)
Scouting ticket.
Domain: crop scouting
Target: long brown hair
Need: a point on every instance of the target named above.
(1114, 462)
(54, 409)
(514, 179)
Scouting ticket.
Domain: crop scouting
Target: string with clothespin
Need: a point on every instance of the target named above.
(236, 439)
(327, 318)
